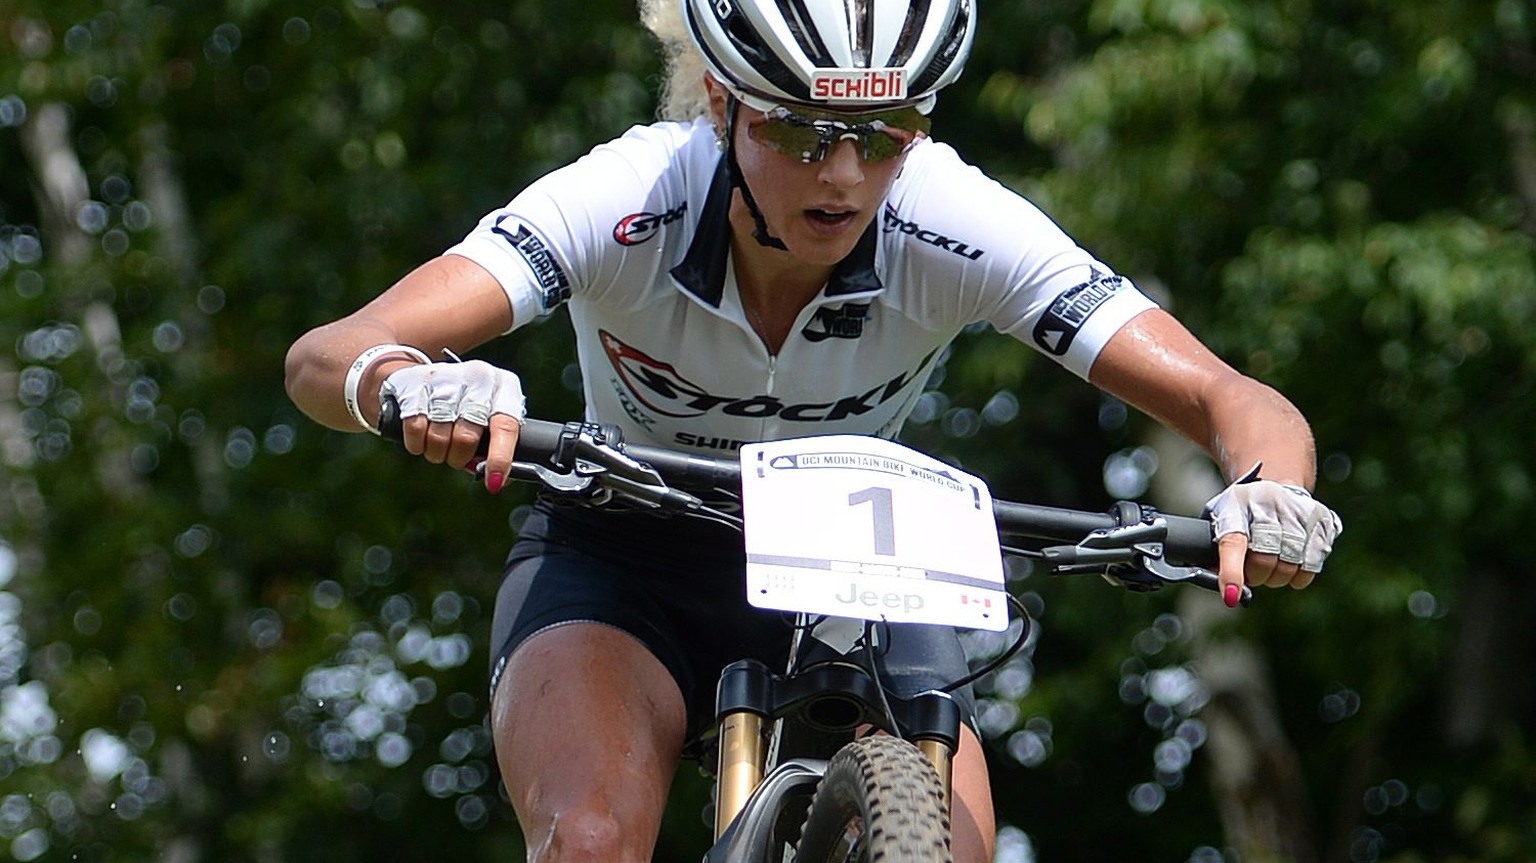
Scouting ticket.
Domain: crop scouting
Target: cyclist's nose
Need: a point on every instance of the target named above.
(843, 166)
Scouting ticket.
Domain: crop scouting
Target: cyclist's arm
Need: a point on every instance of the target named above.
(448, 302)
(1156, 365)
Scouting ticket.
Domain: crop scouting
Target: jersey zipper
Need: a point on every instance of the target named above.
(773, 364)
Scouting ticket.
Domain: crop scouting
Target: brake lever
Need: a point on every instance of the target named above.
(1132, 557)
(1150, 571)
(1198, 576)
(589, 464)
(562, 483)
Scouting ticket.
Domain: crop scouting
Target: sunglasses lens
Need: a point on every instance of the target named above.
(809, 136)
(887, 143)
(802, 141)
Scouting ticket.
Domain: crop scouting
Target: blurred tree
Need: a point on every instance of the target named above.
(1339, 198)
(229, 634)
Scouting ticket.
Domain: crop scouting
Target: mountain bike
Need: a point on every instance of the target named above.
(819, 762)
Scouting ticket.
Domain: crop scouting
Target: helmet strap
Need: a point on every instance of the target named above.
(759, 226)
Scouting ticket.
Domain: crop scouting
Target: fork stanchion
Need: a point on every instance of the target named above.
(741, 765)
(742, 702)
(942, 758)
(934, 727)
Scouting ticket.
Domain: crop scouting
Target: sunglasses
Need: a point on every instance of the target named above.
(810, 135)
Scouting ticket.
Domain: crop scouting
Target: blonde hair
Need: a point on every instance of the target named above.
(683, 96)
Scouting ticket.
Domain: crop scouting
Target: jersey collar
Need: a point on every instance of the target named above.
(702, 270)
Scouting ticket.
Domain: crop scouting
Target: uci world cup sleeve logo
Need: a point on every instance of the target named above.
(1069, 312)
(554, 285)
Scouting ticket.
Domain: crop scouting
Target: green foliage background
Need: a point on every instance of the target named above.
(270, 638)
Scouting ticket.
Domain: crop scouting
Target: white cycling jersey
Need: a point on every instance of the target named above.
(634, 237)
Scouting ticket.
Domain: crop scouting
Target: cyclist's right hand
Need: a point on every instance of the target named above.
(446, 408)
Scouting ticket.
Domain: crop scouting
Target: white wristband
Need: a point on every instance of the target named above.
(360, 366)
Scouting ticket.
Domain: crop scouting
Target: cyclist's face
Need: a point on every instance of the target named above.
(820, 208)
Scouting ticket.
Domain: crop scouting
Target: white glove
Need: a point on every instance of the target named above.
(447, 392)
(1277, 518)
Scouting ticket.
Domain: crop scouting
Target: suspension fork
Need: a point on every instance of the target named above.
(745, 700)
(934, 727)
(742, 704)
(943, 759)
(741, 765)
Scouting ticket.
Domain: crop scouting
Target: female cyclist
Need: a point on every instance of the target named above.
(787, 255)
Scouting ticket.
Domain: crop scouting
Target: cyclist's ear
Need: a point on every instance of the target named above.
(717, 103)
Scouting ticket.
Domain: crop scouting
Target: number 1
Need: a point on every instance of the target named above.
(879, 500)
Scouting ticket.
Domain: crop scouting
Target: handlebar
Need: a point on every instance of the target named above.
(1132, 544)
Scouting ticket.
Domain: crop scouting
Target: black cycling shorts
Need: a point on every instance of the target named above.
(678, 586)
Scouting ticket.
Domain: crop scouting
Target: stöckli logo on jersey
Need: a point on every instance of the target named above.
(636, 228)
(660, 388)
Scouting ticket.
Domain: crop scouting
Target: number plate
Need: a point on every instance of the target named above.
(867, 528)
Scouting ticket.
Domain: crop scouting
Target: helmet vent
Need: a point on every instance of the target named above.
(861, 26)
(754, 52)
(798, 18)
(911, 31)
(946, 53)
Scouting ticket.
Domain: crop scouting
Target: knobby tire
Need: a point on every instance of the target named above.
(879, 802)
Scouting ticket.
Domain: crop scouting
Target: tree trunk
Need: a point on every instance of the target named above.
(63, 190)
(1255, 774)
(1488, 681)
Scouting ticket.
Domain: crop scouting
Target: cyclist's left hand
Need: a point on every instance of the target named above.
(1270, 533)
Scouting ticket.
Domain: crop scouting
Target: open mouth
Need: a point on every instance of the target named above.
(829, 218)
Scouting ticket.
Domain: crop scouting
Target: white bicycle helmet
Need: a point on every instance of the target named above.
(837, 54)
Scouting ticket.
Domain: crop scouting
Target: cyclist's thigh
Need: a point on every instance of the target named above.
(588, 726)
(677, 588)
(972, 824)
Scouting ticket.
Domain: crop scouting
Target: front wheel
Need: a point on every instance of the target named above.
(879, 800)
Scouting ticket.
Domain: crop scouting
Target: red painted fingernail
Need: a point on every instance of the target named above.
(493, 482)
(1229, 596)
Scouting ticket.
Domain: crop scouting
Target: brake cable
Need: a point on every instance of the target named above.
(1027, 627)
